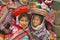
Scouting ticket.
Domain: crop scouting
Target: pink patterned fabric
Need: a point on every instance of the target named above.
(51, 17)
(2, 11)
(7, 18)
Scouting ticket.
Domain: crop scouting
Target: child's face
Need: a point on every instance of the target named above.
(24, 22)
(25, 1)
(36, 21)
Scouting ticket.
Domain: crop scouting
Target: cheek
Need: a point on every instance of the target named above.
(21, 22)
(26, 23)
(33, 21)
(38, 22)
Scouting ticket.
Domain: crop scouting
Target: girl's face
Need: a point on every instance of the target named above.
(24, 22)
(36, 21)
(25, 1)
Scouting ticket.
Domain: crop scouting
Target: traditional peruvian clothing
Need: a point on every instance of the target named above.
(39, 32)
(48, 24)
(18, 33)
(5, 16)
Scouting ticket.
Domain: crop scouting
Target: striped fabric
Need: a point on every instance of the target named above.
(3, 13)
(19, 33)
(8, 17)
(51, 17)
(5, 16)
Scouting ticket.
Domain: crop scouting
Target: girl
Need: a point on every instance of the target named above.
(21, 31)
(38, 27)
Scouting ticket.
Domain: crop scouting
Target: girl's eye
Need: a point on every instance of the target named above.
(25, 20)
(22, 20)
(36, 19)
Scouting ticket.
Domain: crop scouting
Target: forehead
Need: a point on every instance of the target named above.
(23, 18)
(34, 16)
(24, 0)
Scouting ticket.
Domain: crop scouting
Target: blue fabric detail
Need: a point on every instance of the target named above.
(25, 38)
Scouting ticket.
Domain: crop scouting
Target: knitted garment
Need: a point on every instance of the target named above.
(18, 33)
(5, 16)
(3, 13)
(40, 34)
(8, 17)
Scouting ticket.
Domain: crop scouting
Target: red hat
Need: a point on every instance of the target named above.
(1, 6)
(20, 10)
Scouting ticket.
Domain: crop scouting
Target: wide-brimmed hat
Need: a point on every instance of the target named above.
(21, 2)
(39, 11)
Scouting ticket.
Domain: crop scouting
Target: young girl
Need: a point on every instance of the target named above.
(38, 27)
(21, 31)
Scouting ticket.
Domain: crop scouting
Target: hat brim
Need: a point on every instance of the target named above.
(39, 11)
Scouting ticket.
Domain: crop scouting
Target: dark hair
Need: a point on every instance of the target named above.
(7, 25)
(40, 16)
(24, 15)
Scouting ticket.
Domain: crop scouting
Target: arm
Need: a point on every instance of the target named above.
(30, 34)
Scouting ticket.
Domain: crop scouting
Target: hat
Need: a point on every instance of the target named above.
(39, 11)
(23, 2)
(20, 10)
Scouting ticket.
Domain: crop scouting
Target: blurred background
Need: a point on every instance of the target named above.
(56, 7)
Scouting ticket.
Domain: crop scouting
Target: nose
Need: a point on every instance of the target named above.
(24, 23)
(35, 21)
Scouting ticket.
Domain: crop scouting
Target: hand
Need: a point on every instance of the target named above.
(33, 39)
(7, 31)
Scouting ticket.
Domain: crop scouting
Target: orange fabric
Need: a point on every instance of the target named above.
(1, 37)
(34, 6)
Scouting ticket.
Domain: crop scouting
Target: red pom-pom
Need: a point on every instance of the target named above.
(1, 6)
(47, 2)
